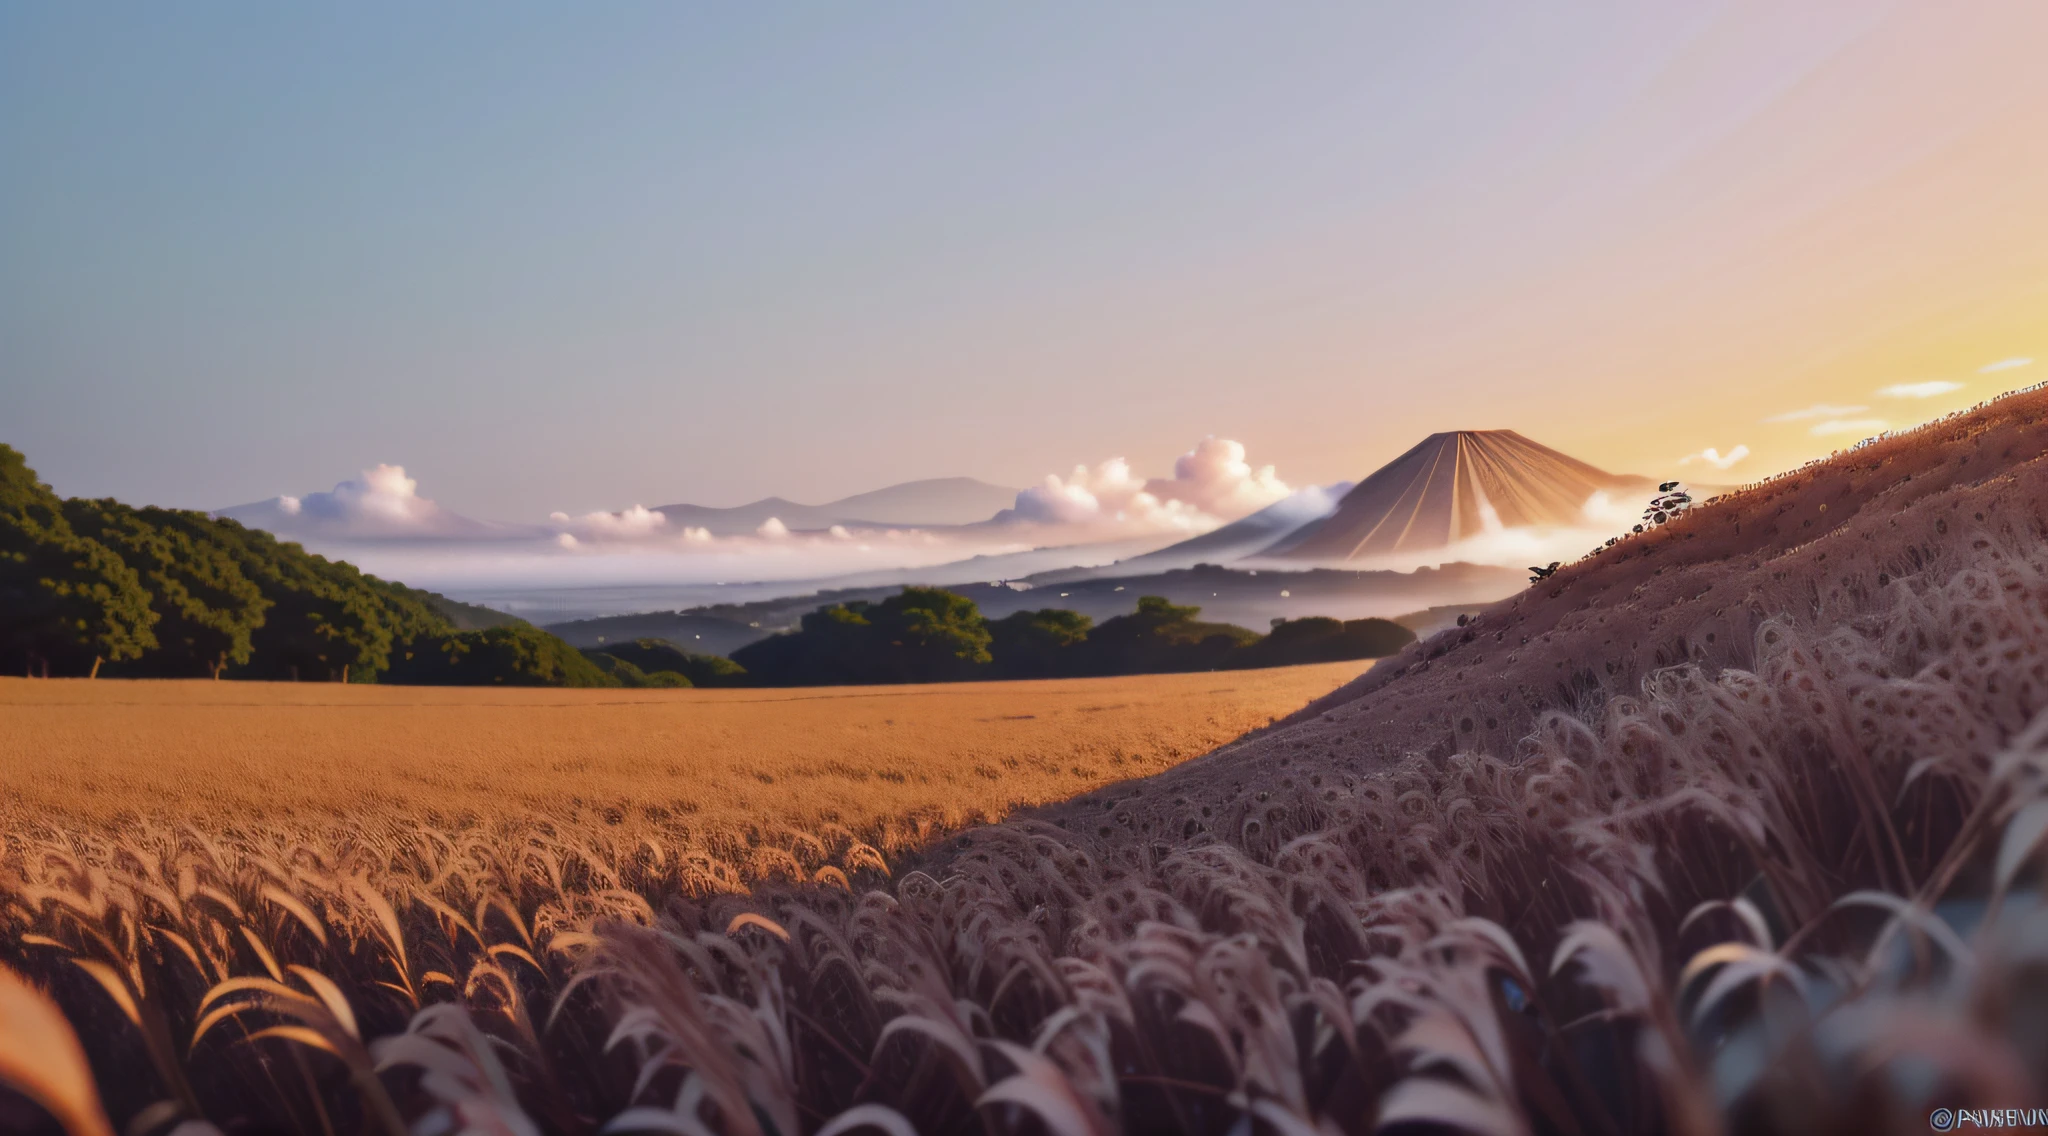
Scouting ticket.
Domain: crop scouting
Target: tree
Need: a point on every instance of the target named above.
(1039, 644)
(658, 656)
(937, 623)
(327, 621)
(509, 655)
(1161, 636)
(65, 600)
(917, 635)
(207, 610)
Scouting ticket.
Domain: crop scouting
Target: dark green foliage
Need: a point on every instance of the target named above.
(1162, 636)
(655, 656)
(207, 610)
(328, 621)
(941, 624)
(1038, 644)
(917, 635)
(513, 655)
(628, 674)
(67, 602)
(1318, 639)
(172, 592)
(621, 671)
(927, 635)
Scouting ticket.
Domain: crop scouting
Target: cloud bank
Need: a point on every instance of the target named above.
(1211, 485)
(381, 502)
(629, 524)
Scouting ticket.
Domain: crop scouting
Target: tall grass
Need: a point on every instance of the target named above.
(1803, 894)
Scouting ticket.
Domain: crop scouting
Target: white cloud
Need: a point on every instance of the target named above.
(1603, 511)
(381, 493)
(1865, 426)
(772, 529)
(379, 503)
(2003, 365)
(1215, 478)
(1928, 389)
(1716, 458)
(384, 491)
(566, 540)
(627, 524)
(1211, 484)
(1817, 410)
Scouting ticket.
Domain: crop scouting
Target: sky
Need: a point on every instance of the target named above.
(569, 258)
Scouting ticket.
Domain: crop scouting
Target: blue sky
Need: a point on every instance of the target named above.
(572, 258)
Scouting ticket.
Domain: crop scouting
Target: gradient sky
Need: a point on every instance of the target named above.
(574, 257)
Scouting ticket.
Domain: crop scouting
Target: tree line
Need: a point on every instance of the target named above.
(933, 635)
(92, 587)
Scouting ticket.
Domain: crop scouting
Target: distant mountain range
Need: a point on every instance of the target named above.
(933, 502)
(382, 505)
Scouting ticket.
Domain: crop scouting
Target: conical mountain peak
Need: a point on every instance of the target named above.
(1450, 486)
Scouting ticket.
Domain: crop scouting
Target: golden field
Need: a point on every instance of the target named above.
(888, 764)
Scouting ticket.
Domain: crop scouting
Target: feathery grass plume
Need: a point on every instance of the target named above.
(40, 1058)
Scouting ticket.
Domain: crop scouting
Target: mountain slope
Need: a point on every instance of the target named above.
(1247, 535)
(1449, 487)
(933, 501)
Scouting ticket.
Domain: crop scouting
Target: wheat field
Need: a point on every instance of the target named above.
(890, 765)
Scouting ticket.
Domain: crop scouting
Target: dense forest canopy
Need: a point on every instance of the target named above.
(98, 587)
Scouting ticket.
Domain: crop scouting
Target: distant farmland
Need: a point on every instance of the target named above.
(720, 770)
